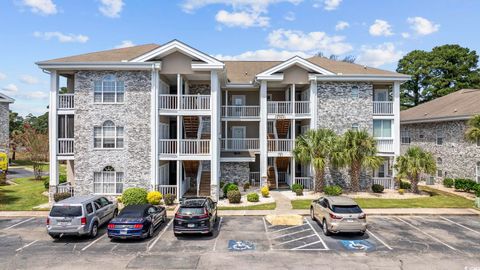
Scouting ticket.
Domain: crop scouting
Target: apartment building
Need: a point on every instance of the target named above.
(5, 102)
(172, 118)
(439, 127)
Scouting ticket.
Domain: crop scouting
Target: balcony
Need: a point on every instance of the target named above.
(288, 108)
(66, 102)
(188, 147)
(242, 112)
(382, 108)
(240, 144)
(187, 102)
(280, 145)
(384, 145)
(65, 146)
(386, 182)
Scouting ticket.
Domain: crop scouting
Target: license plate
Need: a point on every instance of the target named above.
(123, 232)
(349, 220)
(191, 225)
(63, 223)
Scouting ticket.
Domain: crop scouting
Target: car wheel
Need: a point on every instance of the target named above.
(94, 230)
(325, 228)
(150, 231)
(312, 214)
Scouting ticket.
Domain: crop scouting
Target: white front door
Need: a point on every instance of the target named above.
(238, 101)
(238, 136)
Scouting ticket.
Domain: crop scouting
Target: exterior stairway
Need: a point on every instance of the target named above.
(190, 126)
(282, 126)
(271, 177)
(282, 167)
(191, 168)
(205, 184)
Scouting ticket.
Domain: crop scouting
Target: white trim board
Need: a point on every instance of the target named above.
(296, 60)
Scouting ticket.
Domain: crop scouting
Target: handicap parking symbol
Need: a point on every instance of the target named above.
(239, 245)
(358, 245)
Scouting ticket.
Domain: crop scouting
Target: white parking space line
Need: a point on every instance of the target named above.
(265, 224)
(19, 223)
(93, 242)
(379, 240)
(288, 228)
(216, 239)
(283, 235)
(150, 246)
(427, 234)
(313, 229)
(266, 233)
(295, 239)
(460, 225)
(27, 245)
(306, 245)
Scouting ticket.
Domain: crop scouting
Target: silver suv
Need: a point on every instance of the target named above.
(80, 215)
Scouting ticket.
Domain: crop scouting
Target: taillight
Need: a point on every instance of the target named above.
(48, 221)
(111, 226)
(83, 220)
(335, 216)
(205, 214)
(362, 216)
(178, 215)
(138, 226)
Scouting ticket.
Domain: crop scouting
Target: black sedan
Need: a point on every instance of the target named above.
(137, 221)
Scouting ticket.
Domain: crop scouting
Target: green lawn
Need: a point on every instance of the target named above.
(24, 196)
(438, 199)
(265, 206)
(62, 168)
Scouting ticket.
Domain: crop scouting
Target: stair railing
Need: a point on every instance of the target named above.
(199, 176)
(200, 127)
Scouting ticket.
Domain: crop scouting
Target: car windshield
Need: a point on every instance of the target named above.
(346, 209)
(66, 211)
(191, 211)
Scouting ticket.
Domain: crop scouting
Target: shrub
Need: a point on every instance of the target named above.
(448, 182)
(299, 192)
(296, 187)
(46, 183)
(401, 191)
(169, 199)
(246, 186)
(333, 190)
(405, 185)
(253, 197)
(477, 190)
(134, 196)
(229, 187)
(119, 199)
(222, 184)
(265, 191)
(234, 196)
(61, 196)
(377, 188)
(464, 184)
(62, 178)
(154, 197)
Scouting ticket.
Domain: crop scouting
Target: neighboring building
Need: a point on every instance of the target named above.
(5, 123)
(439, 126)
(172, 118)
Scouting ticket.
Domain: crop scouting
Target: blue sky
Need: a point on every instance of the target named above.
(377, 32)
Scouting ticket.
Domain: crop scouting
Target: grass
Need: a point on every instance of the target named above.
(62, 168)
(23, 196)
(265, 206)
(437, 199)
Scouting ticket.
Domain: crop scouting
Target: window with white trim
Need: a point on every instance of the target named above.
(478, 172)
(355, 126)
(109, 90)
(405, 136)
(355, 92)
(108, 136)
(439, 167)
(382, 128)
(440, 136)
(108, 181)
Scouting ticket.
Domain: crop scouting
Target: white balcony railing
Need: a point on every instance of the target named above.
(65, 146)
(306, 182)
(167, 102)
(280, 145)
(187, 102)
(65, 188)
(194, 147)
(384, 145)
(246, 144)
(167, 189)
(302, 107)
(255, 178)
(382, 107)
(66, 101)
(279, 107)
(167, 146)
(241, 111)
(386, 182)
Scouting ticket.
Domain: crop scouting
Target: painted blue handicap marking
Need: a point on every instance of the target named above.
(358, 245)
(238, 245)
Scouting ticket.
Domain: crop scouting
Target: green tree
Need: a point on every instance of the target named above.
(472, 134)
(36, 145)
(443, 70)
(314, 147)
(358, 151)
(39, 123)
(16, 127)
(413, 164)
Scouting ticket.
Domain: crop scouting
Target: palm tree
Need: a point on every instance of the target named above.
(414, 163)
(473, 132)
(314, 148)
(358, 150)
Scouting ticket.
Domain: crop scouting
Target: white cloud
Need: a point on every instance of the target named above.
(29, 79)
(61, 37)
(380, 28)
(2, 76)
(382, 54)
(308, 42)
(290, 16)
(44, 7)
(241, 19)
(12, 88)
(405, 35)
(125, 44)
(264, 55)
(422, 26)
(341, 25)
(111, 8)
(327, 4)
(37, 95)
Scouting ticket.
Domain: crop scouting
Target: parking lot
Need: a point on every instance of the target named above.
(390, 242)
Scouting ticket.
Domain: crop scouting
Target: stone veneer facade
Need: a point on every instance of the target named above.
(4, 127)
(235, 172)
(134, 159)
(459, 157)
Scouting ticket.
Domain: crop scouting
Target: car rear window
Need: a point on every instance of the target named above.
(346, 209)
(191, 211)
(66, 211)
(131, 214)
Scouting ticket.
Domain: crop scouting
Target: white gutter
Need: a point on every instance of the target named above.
(361, 77)
(436, 119)
(96, 66)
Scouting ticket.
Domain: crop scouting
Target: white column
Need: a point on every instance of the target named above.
(179, 178)
(263, 130)
(154, 121)
(292, 164)
(292, 98)
(53, 126)
(179, 91)
(313, 104)
(216, 133)
(396, 120)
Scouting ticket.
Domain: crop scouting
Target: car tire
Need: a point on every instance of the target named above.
(312, 214)
(361, 233)
(151, 230)
(176, 234)
(94, 230)
(325, 229)
(55, 236)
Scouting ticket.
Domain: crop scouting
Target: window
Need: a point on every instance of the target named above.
(439, 167)
(478, 172)
(355, 92)
(405, 136)
(89, 208)
(421, 136)
(355, 126)
(108, 181)
(108, 90)
(439, 136)
(382, 128)
(108, 136)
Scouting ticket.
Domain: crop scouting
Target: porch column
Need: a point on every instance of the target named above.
(179, 178)
(292, 98)
(216, 134)
(313, 104)
(154, 122)
(53, 131)
(292, 160)
(396, 120)
(263, 131)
